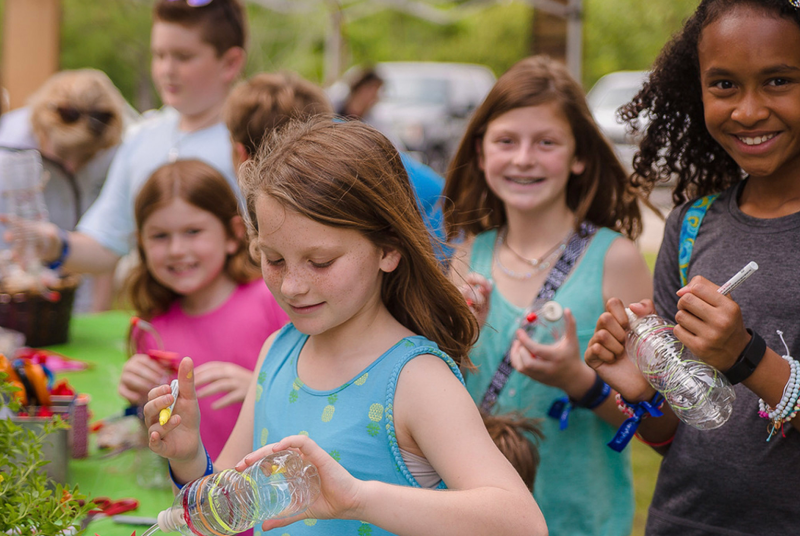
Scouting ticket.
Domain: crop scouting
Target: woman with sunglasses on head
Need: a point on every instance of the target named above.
(76, 120)
(197, 54)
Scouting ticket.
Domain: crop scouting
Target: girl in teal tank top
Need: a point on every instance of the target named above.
(365, 382)
(532, 171)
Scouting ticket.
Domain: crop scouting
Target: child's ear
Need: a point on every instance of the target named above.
(239, 232)
(390, 259)
(578, 166)
(233, 61)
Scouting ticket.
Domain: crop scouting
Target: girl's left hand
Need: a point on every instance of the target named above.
(338, 498)
(558, 365)
(710, 324)
(220, 377)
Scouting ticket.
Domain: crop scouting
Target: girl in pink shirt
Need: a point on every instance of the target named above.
(201, 291)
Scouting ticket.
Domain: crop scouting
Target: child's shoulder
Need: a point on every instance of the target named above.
(152, 120)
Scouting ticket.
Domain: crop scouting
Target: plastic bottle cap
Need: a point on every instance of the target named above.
(552, 311)
(631, 316)
(170, 520)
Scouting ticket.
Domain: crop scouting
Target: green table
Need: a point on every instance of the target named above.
(100, 339)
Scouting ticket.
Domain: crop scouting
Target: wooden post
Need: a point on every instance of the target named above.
(558, 32)
(31, 44)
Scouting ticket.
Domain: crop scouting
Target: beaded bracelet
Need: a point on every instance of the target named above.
(789, 404)
(635, 412)
(209, 470)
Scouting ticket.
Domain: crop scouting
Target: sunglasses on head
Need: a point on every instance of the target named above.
(194, 3)
(70, 114)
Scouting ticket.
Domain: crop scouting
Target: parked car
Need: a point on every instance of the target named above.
(426, 105)
(605, 97)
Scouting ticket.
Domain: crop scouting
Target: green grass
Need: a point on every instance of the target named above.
(645, 468)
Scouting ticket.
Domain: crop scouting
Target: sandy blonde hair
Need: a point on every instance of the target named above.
(83, 90)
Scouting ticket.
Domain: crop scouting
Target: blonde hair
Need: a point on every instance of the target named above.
(84, 90)
(348, 175)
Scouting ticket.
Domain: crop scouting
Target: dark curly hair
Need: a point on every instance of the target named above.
(676, 142)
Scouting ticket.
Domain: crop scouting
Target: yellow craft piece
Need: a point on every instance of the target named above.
(164, 416)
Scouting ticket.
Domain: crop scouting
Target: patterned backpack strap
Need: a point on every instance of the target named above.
(689, 229)
(578, 242)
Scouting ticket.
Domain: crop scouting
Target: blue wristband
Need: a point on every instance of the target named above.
(596, 395)
(209, 470)
(631, 424)
(64, 237)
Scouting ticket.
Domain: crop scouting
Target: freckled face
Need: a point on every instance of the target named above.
(324, 277)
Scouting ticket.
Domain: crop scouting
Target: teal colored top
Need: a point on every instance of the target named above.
(582, 486)
(352, 422)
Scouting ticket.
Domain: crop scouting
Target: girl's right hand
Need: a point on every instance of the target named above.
(140, 374)
(476, 291)
(179, 438)
(606, 351)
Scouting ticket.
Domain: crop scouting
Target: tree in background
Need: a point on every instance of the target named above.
(114, 36)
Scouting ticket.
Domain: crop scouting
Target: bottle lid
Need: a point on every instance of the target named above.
(170, 520)
(631, 316)
(552, 311)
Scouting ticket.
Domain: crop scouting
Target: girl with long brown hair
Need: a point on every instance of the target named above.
(534, 184)
(365, 381)
(198, 287)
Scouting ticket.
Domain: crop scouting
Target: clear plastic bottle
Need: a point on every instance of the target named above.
(225, 503)
(699, 394)
(544, 322)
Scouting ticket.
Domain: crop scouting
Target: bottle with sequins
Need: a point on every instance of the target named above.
(544, 322)
(229, 502)
(700, 395)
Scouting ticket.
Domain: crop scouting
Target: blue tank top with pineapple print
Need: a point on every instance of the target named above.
(352, 422)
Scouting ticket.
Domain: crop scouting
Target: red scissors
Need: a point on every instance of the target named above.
(105, 507)
(167, 359)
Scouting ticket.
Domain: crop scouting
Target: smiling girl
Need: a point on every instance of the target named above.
(198, 287)
(534, 176)
(365, 381)
(724, 104)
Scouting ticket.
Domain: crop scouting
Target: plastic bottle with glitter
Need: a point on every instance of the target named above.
(700, 395)
(544, 322)
(229, 502)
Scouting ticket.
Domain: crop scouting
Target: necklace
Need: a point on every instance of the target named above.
(540, 264)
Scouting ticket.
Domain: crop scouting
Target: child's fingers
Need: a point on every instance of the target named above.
(254, 456)
(523, 360)
(186, 379)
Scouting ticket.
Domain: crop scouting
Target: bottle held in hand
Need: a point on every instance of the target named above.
(229, 502)
(700, 395)
(544, 323)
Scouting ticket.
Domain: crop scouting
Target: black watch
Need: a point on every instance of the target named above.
(748, 360)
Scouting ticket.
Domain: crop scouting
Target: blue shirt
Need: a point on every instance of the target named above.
(352, 422)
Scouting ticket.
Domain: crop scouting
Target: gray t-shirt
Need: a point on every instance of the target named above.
(731, 480)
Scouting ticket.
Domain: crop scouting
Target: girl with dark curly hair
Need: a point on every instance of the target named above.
(723, 104)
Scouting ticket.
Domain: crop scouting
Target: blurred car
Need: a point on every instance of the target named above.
(426, 106)
(606, 97)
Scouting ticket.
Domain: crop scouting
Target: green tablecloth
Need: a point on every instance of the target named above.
(100, 339)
